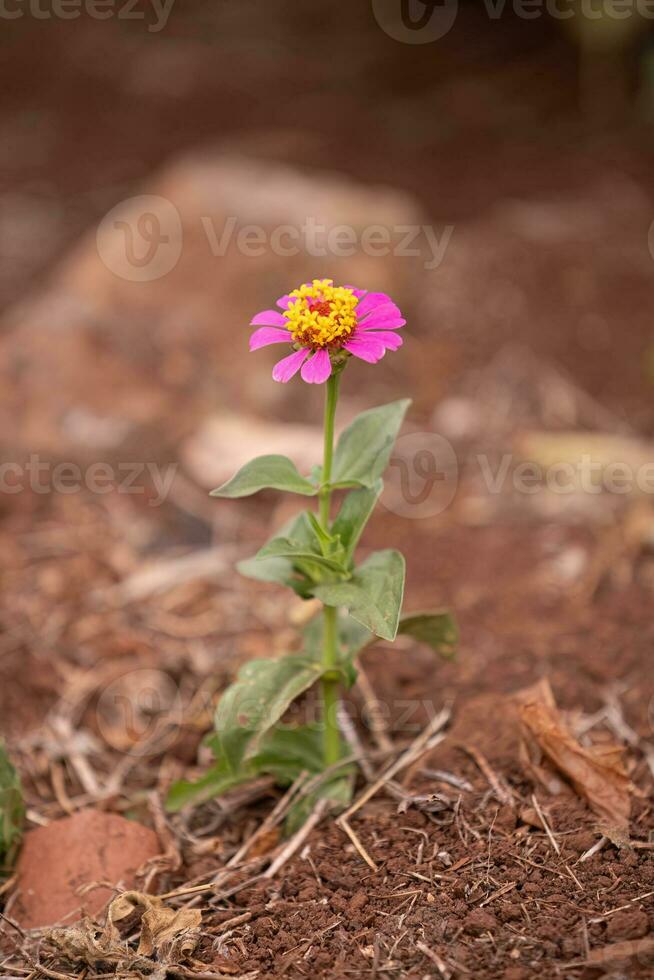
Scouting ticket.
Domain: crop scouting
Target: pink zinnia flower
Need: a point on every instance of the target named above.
(323, 322)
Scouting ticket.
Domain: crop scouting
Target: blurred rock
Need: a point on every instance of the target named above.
(59, 860)
(457, 418)
(567, 567)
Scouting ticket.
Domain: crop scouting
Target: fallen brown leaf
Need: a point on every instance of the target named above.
(597, 774)
(528, 815)
(168, 934)
(161, 927)
(88, 943)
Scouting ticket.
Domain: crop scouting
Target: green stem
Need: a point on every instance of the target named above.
(330, 684)
(330, 411)
(330, 690)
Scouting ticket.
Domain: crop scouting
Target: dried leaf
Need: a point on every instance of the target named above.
(160, 926)
(166, 934)
(597, 774)
(168, 929)
(89, 943)
(429, 803)
(529, 816)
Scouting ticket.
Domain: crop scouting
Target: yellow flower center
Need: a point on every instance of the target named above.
(321, 314)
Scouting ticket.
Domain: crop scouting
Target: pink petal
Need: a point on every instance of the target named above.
(269, 335)
(318, 369)
(381, 321)
(288, 366)
(365, 348)
(269, 318)
(390, 340)
(372, 301)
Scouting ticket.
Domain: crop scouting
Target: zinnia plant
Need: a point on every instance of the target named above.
(314, 555)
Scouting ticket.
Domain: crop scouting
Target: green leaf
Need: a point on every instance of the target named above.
(354, 514)
(299, 544)
(364, 448)
(216, 781)
(257, 700)
(285, 753)
(289, 750)
(300, 555)
(12, 809)
(373, 596)
(275, 570)
(295, 575)
(266, 473)
(437, 629)
(327, 542)
(353, 636)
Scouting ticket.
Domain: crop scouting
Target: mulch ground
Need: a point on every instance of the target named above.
(467, 882)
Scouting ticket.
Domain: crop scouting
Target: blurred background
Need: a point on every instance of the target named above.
(169, 169)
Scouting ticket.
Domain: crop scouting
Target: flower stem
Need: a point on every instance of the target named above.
(330, 692)
(330, 411)
(330, 682)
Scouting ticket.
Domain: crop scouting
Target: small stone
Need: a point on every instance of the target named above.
(358, 901)
(59, 859)
(479, 921)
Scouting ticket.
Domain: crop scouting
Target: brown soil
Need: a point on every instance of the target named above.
(487, 901)
(560, 592)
